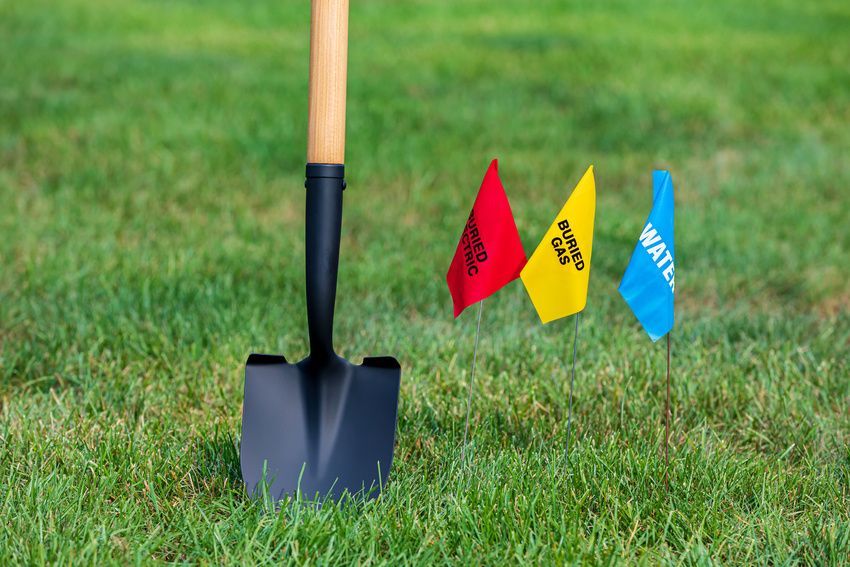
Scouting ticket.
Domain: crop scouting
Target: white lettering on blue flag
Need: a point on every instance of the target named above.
(655, 247)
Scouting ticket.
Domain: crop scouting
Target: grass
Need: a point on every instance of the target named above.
(151, 203)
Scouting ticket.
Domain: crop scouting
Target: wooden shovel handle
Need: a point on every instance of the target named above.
(328, 70)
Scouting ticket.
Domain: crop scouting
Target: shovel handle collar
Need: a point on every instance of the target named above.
(324, 184)
(331, 170)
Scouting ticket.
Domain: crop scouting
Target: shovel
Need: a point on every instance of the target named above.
(323, 427)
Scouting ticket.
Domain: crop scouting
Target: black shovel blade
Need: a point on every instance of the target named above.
(321, 429)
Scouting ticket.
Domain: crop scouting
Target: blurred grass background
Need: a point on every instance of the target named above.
(151, 236)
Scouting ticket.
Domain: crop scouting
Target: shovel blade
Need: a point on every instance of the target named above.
(319, 429)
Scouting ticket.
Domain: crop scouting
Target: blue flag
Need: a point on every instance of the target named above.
(648, 285)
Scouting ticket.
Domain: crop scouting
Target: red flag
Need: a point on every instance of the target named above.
(489, 254)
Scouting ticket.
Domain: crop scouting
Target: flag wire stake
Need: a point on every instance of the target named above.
(471, 380)
(572, 380)
(667, 423)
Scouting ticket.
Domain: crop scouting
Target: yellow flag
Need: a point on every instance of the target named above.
(557, 274)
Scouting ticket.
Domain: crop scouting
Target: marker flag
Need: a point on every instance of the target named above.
(489, 254)
(557, 274)
(648, 285)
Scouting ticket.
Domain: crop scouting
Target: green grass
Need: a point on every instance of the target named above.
(151, 236)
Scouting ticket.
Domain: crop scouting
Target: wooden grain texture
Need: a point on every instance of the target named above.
(328, 70)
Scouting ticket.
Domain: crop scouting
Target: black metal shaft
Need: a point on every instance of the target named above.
(324, 184)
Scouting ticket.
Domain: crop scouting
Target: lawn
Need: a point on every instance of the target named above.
(151, 236)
